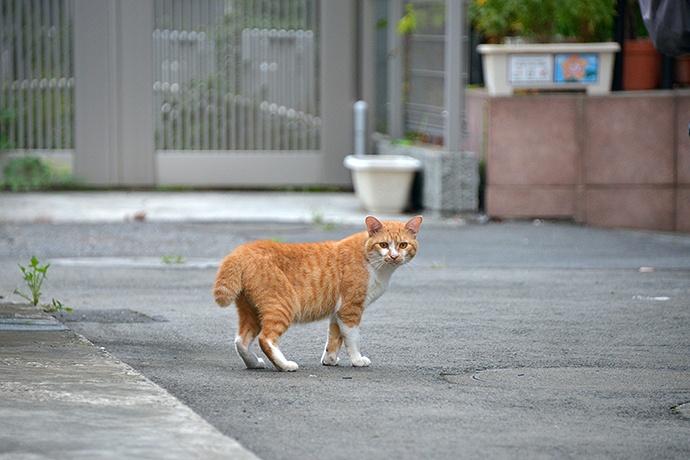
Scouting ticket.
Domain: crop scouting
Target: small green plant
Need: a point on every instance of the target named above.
(34, 276)
(442, 265)
(318, 221)
(173, 260)
(277, 239)
(55, 305)
(27, 173)
(6, 116)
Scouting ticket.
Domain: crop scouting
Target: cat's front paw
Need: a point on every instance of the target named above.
(328, 360)
(361, 362)
(289, 366)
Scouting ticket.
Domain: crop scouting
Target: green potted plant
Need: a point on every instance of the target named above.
(553, 43)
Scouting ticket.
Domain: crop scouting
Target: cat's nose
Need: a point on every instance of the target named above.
(394, 255)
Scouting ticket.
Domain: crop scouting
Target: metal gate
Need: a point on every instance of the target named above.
(36, 79)
(183, 92)
(236, 91)
(236, 75)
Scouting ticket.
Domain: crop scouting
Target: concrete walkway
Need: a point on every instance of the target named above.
(118, 206)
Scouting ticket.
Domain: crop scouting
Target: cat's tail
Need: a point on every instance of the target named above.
(228, 283)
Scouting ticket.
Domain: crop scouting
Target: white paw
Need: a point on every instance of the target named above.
(328, 360)
(363, 361)
(289, 366)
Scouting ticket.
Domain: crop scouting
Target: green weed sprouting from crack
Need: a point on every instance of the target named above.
(277, 239)
(318, 221)
(442, 265)
(173, 260)
(34, 276)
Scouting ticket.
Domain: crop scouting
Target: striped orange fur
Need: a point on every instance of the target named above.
(275, 284)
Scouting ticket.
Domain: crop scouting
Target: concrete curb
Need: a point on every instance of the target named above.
(63, 397)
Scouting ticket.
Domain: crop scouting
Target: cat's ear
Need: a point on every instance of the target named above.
(373, 225)
(413, 225)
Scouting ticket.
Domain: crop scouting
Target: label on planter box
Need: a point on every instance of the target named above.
(530, 68)
(576, 68)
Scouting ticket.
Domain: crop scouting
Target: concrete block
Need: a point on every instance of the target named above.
(449, 180)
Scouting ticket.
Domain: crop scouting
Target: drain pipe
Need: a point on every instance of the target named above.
(360, 109)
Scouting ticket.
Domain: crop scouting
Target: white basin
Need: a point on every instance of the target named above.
(383, 182)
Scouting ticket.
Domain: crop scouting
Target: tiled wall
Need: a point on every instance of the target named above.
(621, 160)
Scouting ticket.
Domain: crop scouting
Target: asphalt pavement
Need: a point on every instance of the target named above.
(529, 339)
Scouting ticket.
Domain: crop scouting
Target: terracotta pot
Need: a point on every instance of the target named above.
(682, 65)
(641, 65)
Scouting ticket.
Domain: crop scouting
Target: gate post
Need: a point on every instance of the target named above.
(113, 72)
(338, 87)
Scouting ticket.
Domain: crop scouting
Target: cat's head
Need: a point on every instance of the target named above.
(392, 243)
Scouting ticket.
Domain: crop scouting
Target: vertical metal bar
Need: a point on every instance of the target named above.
(174, 98)
(395, 70)
(229, 79)
(57, 75)
(158, 72)
(28, 46)
(224, 53)
(185, 81)
(159, 14)
(156, 39)
(47, 74)
(204, 82)
(194, 74)
(265, 78)
(316, 77)
(38, 93)
(32, 64)
(53, 116)
(5, 85)
(228, 70)
(309, 85)
(240, 88)
(258, 118)
(166, 115)
(20, 76)
(455, 75)
(166, 78)
(47, 92)
(29, 78)
(68, 52)
(212, 30)
(175, 79)
(306, 84)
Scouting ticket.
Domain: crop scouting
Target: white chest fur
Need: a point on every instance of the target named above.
(378, 282)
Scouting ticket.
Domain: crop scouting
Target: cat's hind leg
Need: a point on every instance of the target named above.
(249, 328)
(333, 344)
(276, 317)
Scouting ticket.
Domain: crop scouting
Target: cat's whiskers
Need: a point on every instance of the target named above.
(413, 264)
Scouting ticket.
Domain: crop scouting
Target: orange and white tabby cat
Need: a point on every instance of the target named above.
(276, 284)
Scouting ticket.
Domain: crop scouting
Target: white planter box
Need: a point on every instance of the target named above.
(567, 66)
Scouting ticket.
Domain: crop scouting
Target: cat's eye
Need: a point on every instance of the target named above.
(383, 245)
(402, 245)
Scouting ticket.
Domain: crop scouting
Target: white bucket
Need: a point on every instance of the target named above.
(383, 182)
